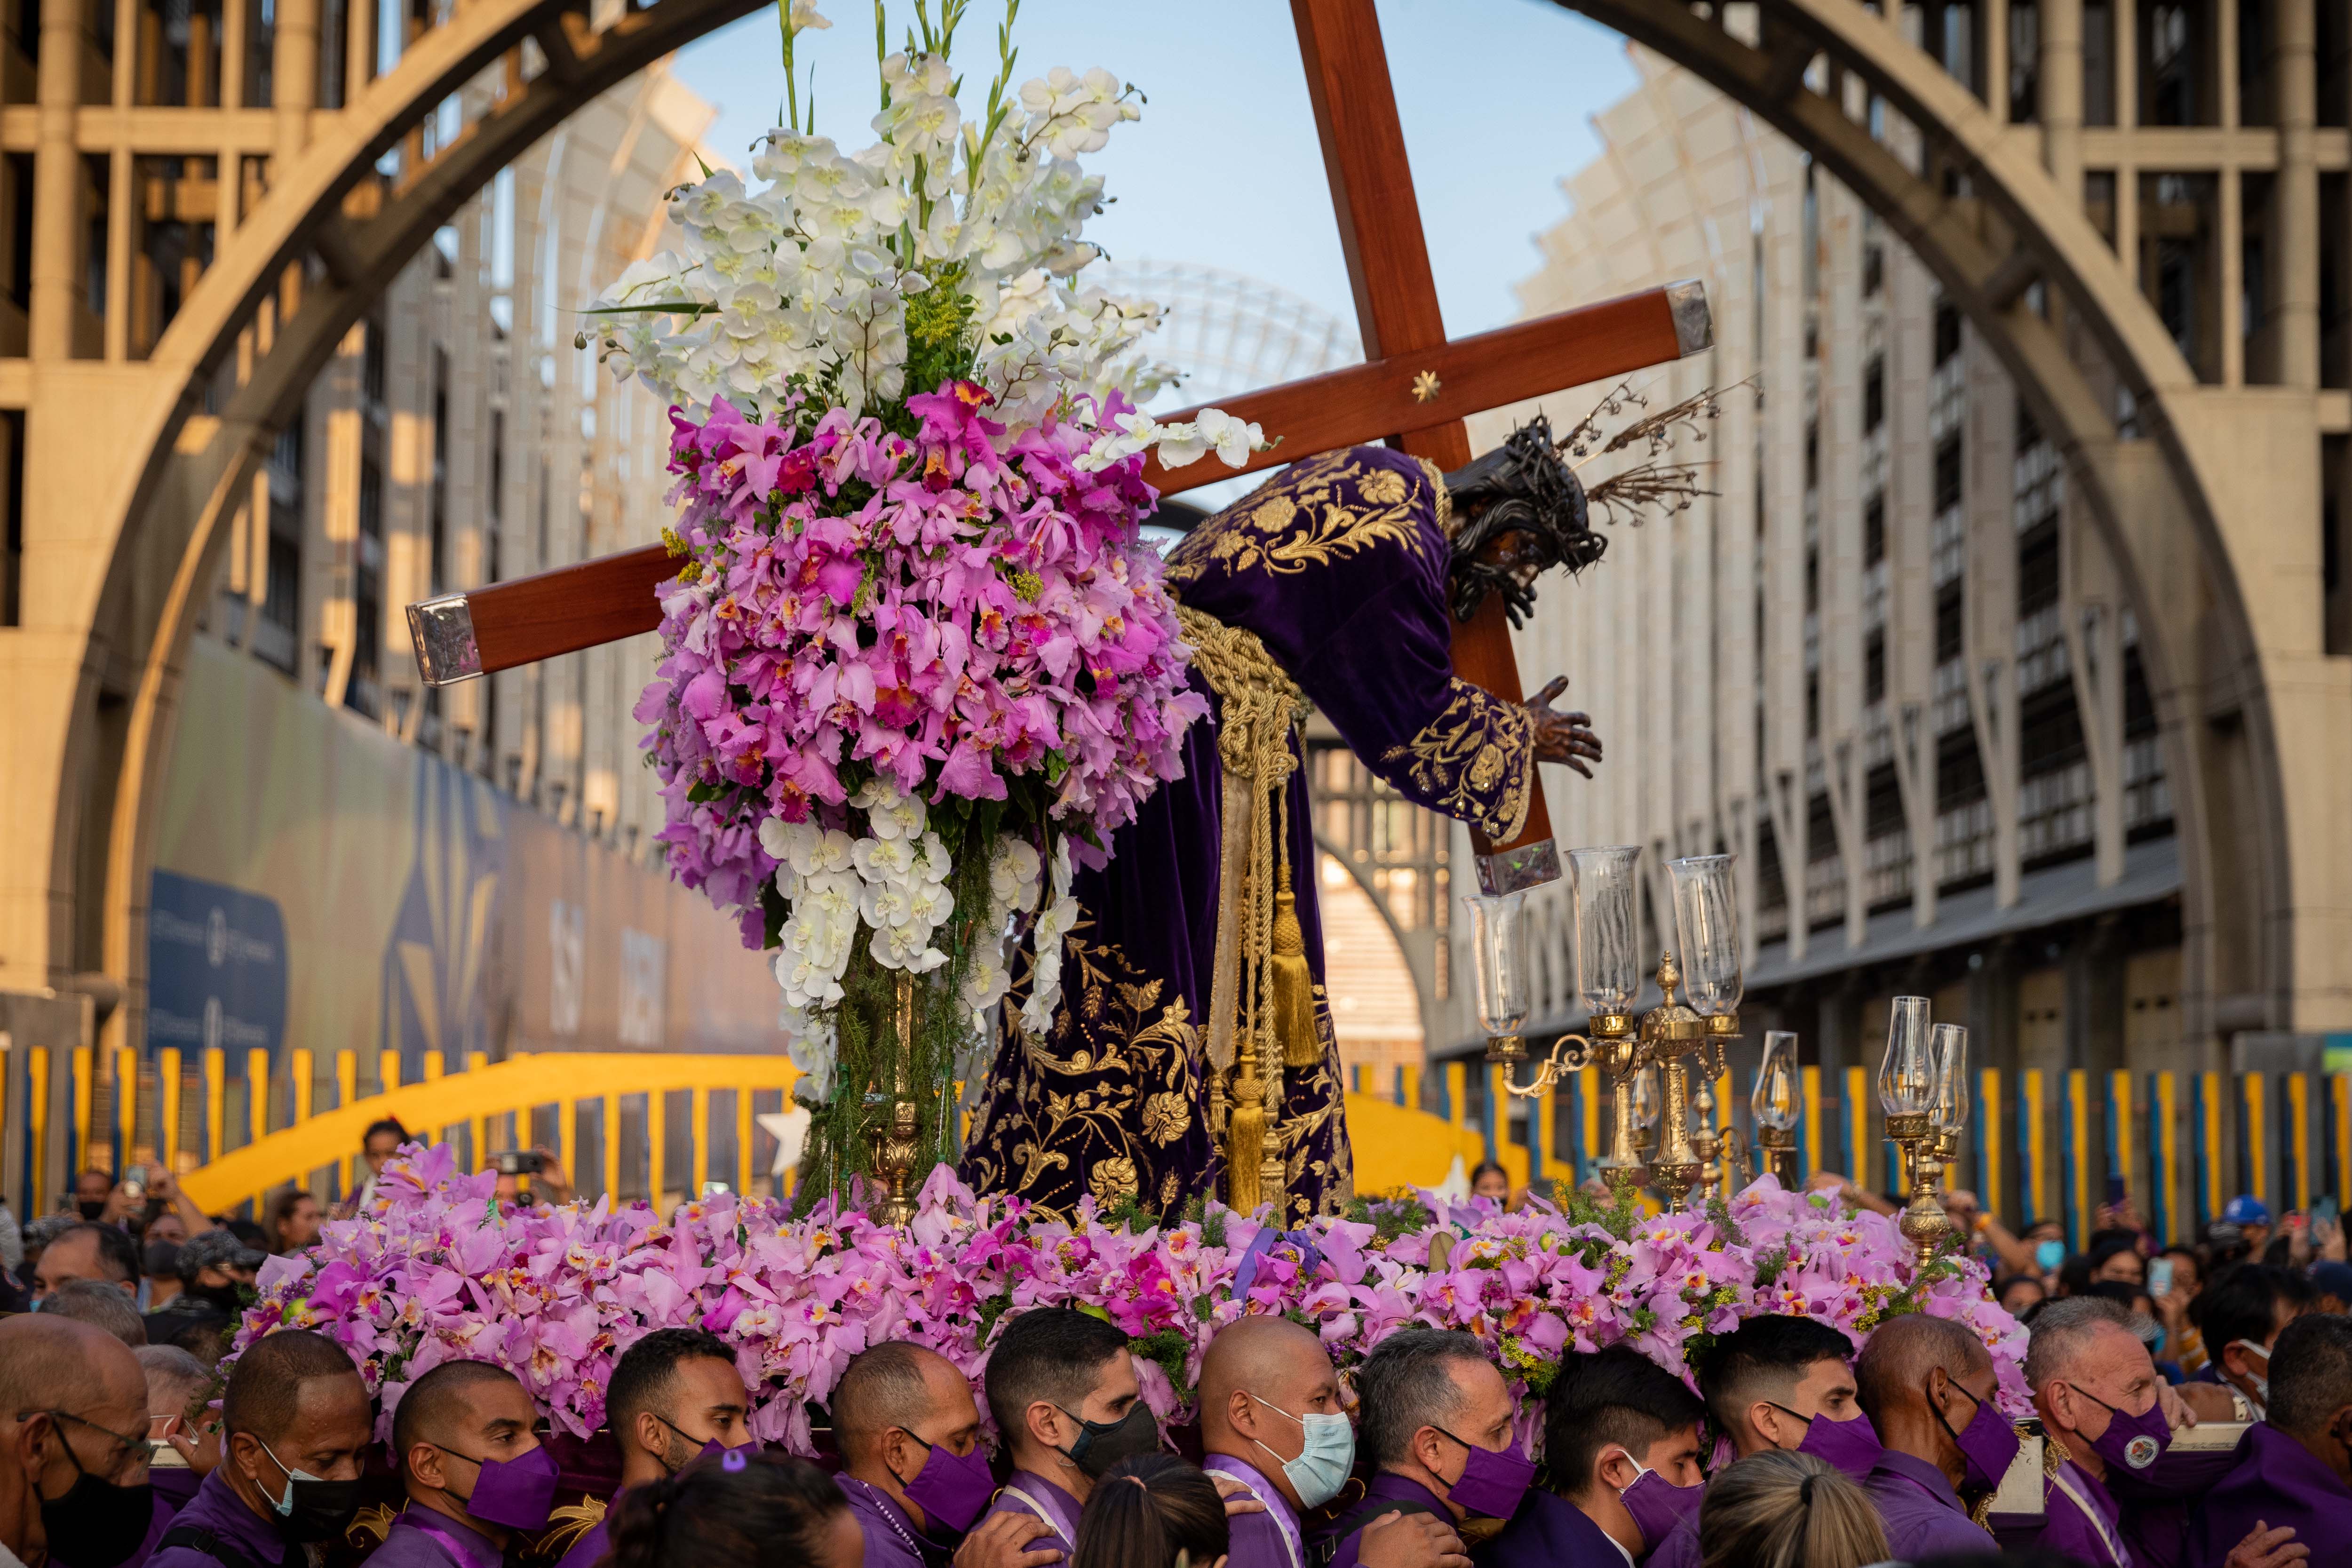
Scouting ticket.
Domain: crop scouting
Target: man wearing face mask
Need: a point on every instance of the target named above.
(912, 1466)
(466, 1436)
(1062, 1387)
(1271, 1420)
(2240, 1315)
(1621, 1443)
(1780, 1381)
(2294, 1471)
(1437, 1423)
(298, 1427)
(104, 1254)
(1928, 1385)
(73, 1449)
(2104, 1405)
(675, 1394)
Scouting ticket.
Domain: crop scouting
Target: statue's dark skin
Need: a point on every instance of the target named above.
(1564, 738)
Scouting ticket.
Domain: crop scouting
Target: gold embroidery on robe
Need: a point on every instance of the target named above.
(1324, 508)
(1475, 760)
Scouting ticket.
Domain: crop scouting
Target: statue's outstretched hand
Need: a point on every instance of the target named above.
(1565, 738)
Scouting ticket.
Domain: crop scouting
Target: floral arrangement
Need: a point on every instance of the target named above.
(439, 1270)
(917, 655)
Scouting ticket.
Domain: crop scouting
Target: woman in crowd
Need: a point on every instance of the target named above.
(1146, 1510)
(293, 1222)
(1785, 1509)
(1491, 1181)
(755, 1510)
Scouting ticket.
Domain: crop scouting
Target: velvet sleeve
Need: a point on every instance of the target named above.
(1339, 565)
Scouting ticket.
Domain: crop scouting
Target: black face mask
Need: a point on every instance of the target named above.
(92, 1208)
(1102, 1444)
(307, 1510)
(96, 1524)
(224, 1299)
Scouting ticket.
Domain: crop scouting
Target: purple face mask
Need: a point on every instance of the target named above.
(2135, 1442)
(1492, 1483)
(516, 1493)
(1988, 1443)
(1851, 1447)
(1658, 1505)
(951, 1487)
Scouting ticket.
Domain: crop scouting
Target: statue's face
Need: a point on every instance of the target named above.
(1517, 551)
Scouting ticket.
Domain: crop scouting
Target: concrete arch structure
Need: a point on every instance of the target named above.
(2247, 771)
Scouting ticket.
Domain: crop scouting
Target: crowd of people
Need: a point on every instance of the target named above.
(125, 1443)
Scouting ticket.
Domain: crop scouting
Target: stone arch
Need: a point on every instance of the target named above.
(1988, 220)
(201, 437)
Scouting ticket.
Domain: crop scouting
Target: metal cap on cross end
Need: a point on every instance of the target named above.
(1693, 323)
(443, 632)
(1515, 869)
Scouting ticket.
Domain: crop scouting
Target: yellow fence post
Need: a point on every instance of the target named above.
(434, 1065)
(347, 1078)
(257, 1095)
(1547, 1119)
(2166, 1172)
(701, 1123)
(77, 1146)
(216, 1103)
(2339, 1090)
(475, 1062)
(1458, 1094)
(1990, 1107)
(2122, 1133)
(1811, 1141)
(388, 1071)
(1862, 1154)
(1412, 1086)
(744, 1169)
(167, 1108)
(306, 1084)
(656, 1146)
(37, 1117)
(2033, 1179)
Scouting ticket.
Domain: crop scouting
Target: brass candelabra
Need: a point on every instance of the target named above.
(1923, 1087)
(896, 1131)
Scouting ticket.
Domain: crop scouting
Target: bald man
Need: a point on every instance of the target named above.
(466, 1438)
(298, 1427)
(1928, 1385)
(1271, 1420)
(912, 1466)
(73, 1444)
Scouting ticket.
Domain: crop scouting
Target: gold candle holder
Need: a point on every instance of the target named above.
(896, 1135)
(1779, 1152)
(1924, 1223)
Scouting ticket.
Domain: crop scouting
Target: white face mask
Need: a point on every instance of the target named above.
(2260, 1380)
(1323, 1462)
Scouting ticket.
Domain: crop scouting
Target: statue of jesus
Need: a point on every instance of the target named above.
(1194, 1018)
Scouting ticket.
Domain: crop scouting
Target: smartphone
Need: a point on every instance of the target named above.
(2325, 1212)
(519, 1162)
(2116, 1192)
(2159, 1277)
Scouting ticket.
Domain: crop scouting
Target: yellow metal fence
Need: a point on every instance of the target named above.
(2042, 1144)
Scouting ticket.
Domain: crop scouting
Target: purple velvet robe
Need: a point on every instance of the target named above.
(1055, 1506)
(1339, 565)
(2084, 1524)
(2156, 1502)
(891, 1538)
(1268, 1539)
(2277, 1481)
(1386, 1487)
(1548, 1531)
(421, 1537)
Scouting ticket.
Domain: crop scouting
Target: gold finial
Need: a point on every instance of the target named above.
(1424, 387)
(1669, 976)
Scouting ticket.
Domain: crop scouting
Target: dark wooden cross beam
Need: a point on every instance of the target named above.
(1413, 392)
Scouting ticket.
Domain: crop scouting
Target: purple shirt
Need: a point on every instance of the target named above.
(891, 1538)
(1387, 1488)
(1550, 1531)
(1923, 1514)
(1032, 1496)
(1680, 1549)
(2082, 1521)
(1268, 1539)
(423, 1537)
(2277, 1481)
(218, 1509)
(2156, 1502)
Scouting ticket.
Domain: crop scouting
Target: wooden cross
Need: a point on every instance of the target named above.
(1413, 392)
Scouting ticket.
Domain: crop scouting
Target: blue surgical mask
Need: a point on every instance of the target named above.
(2050, 1255)
(1323, 1465)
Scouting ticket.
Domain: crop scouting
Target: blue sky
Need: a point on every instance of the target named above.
(1223, 168)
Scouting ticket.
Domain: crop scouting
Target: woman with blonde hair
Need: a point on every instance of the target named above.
(1783, 1510)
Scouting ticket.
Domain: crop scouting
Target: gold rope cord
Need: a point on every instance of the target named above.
(1259, 706)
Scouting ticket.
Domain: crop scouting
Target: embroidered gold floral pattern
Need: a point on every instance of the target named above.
(1475, 760)
(1105, 1103)
(1322, 508)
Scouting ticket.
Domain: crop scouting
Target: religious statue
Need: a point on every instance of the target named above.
(1192, 1051)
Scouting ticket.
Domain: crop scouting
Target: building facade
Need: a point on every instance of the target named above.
(1889, 662)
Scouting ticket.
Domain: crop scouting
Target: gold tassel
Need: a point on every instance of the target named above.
(1286, 970)
(1246, 1133)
